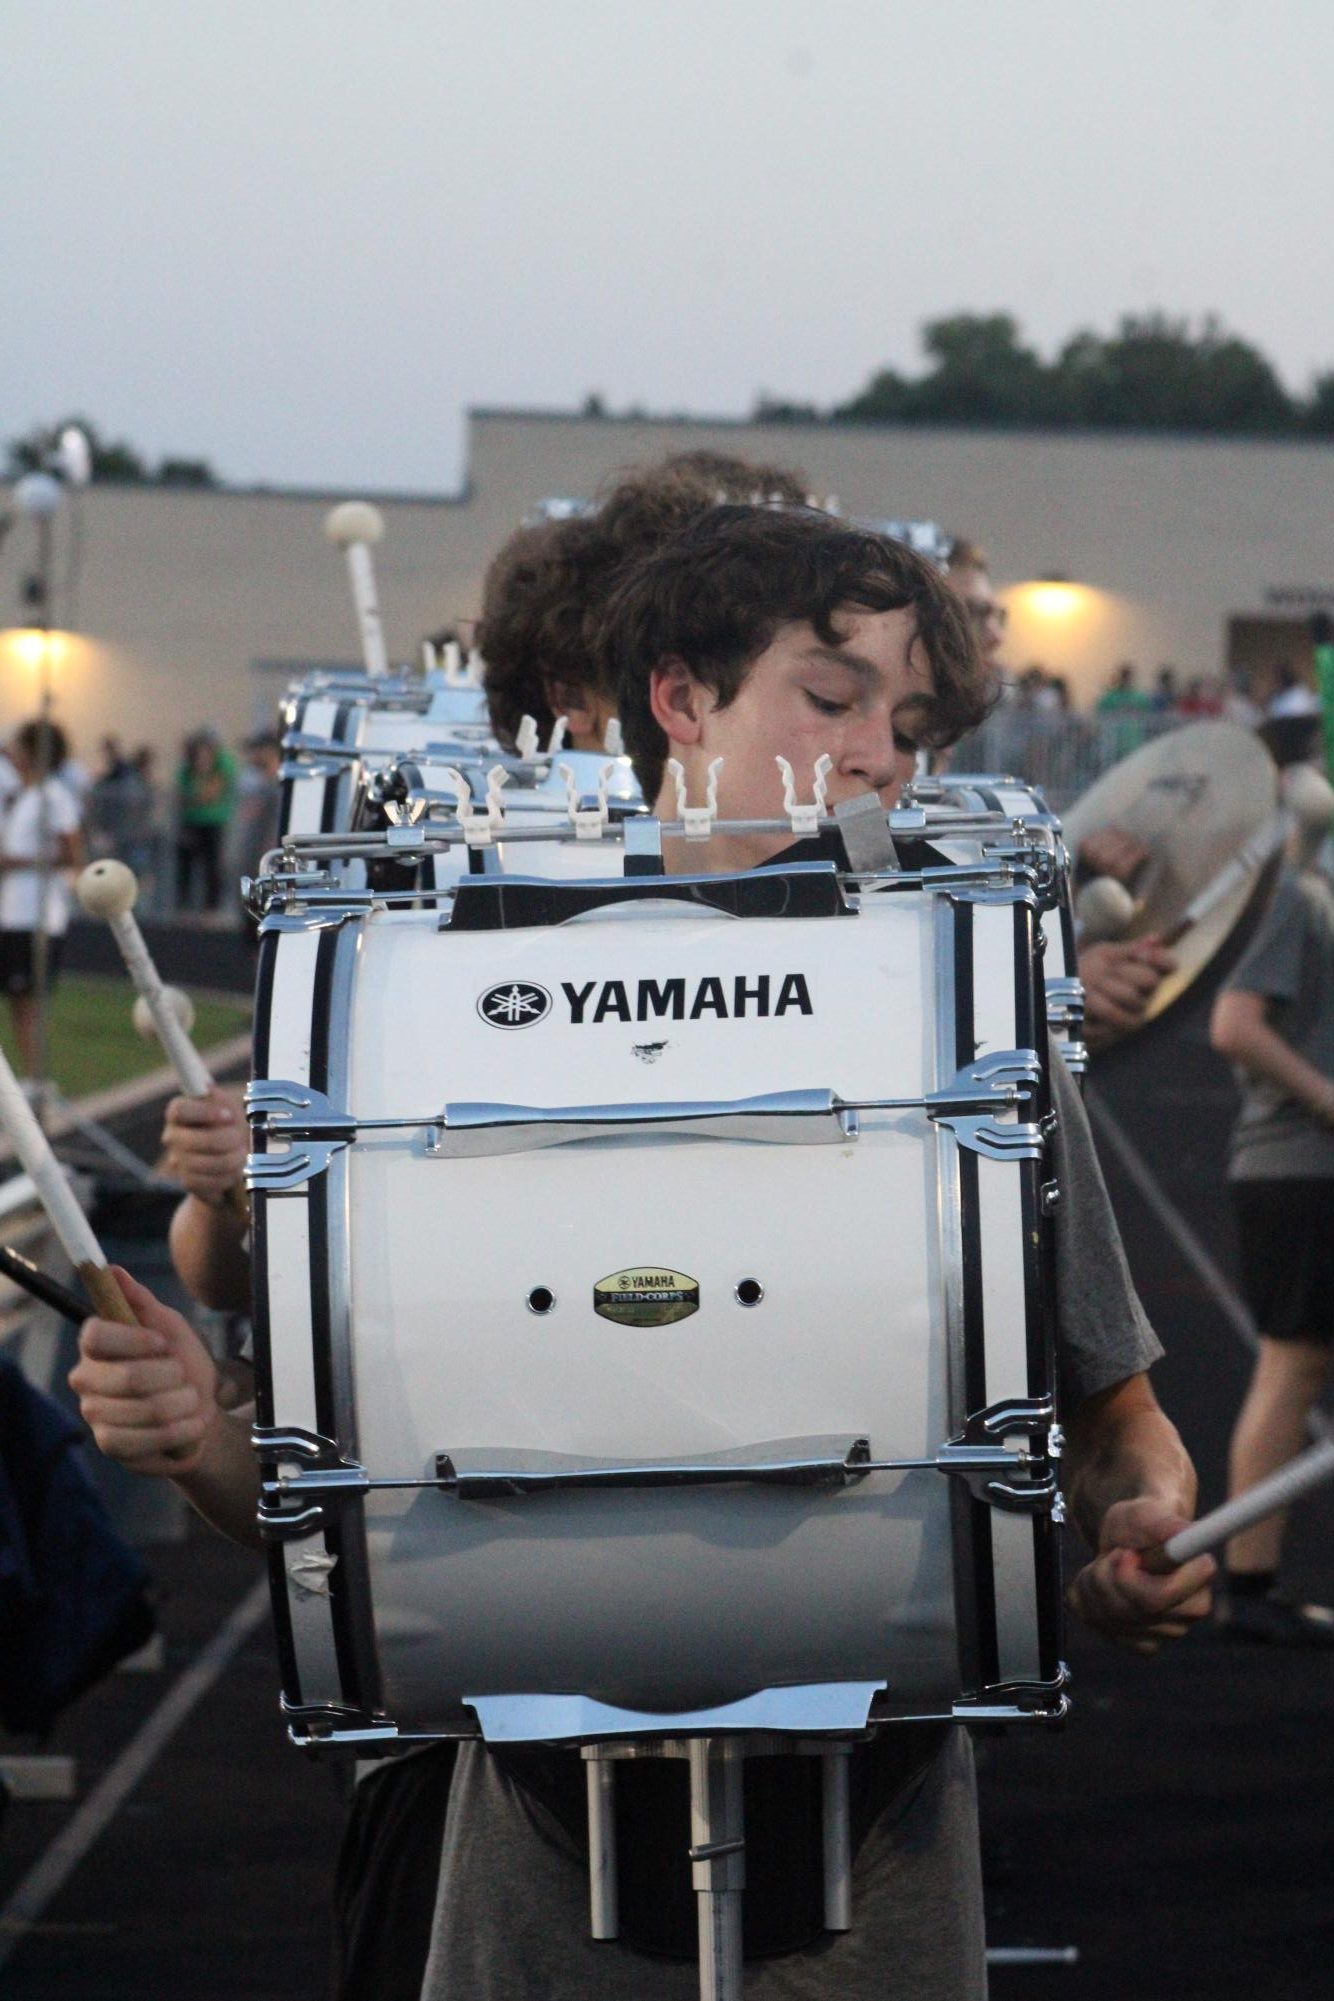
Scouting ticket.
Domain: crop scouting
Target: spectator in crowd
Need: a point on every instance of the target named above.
(1123, 692)
(115, 803)
(1165, 695)
(969, 571)
(206, 799)
(1293, 695)
(39, 841)
(1275, 1021)
(1202, 700)
(258, 795)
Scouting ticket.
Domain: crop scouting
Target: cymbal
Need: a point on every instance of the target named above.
(1194, 797)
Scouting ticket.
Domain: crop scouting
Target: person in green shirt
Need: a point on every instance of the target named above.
(206, 799)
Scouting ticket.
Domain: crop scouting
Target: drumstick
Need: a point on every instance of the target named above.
(108, 889)
(1309, 1469)
(41, 1285)
(355, 527)
(1264, 843)
(54, 1193)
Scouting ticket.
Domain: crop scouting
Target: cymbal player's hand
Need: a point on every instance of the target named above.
(1130, 1593)
(148, 1393)
(206, 1142)
(1112, 851)
(1120, 977)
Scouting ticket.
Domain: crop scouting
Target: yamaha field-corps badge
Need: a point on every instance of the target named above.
(646, 1297)
(514, 1004)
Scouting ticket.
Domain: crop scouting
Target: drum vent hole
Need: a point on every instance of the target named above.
(541, 1299)
(750, 1292)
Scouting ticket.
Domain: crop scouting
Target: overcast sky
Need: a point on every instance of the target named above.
(300, 237)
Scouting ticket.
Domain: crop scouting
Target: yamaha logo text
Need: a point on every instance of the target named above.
(731, 997)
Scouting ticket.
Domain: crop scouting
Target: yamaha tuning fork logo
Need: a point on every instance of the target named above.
(515, 1004)
(729, 997)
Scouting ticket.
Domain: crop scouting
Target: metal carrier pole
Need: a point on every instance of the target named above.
(604, 1913)
(835, 1770)
(718, 1862)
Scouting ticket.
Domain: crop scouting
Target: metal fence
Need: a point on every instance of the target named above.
(1058, 750)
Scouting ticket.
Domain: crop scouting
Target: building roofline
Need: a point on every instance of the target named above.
(270, 490)
(833, 426)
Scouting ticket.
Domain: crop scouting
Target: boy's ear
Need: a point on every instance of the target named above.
(679, 702)
(572, 700)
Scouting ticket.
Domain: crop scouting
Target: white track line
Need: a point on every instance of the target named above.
(47, 1877)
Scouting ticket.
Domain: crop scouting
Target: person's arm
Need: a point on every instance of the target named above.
(1130, 1484)
(205, 1143)
(1239, 1029)
(149, 1395)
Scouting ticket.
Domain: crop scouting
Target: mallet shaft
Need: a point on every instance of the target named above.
(1309, 1469)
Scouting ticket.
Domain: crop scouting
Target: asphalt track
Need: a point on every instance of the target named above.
(1178, 1832)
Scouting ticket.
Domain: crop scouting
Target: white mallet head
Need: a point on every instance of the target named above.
(180, 1004)
(107, 889)
(1309, 796)
(1104, 908)
(353, 521)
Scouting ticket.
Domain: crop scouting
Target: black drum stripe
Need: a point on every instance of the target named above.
(317, 1193)
(1048, 1583)
(1029, 995)
(965, 1045)
(967, 1632)
(265, 974)
(319, 1009)
(284, 1642)
(344, 1536)
(285, 799)
(984, 1567)
(974, 1304)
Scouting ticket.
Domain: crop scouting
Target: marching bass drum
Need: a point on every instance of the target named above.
(653, 1315)
(331, 730)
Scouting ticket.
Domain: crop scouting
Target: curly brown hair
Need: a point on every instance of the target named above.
(545, 592)
(716, 596)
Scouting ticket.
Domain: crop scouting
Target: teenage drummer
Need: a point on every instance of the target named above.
(757, 634)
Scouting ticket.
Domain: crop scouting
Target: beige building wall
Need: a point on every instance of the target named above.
(181, 593)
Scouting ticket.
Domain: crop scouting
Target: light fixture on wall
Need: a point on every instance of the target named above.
(1055, 596)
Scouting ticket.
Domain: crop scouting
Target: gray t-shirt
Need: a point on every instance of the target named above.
(1290, 963)
(511, 1921)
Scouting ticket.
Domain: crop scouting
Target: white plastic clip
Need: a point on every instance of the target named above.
(588, 821)
(805, 819)
(525, 739)
(474, 672)
(480, 824)
(451, 660)
(430, 657)
(560, 730)
(696, 820)
(614, 741)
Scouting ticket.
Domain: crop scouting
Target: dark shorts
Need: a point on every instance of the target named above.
(1286, 1230)
(16, 961)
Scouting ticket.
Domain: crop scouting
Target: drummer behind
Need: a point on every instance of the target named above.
(1120, 976)
(1275, 1021)
(754, 634)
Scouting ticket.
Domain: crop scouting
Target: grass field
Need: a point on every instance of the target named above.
(92, 1041)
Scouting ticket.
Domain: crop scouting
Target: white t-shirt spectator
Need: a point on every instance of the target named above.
(20, 836)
